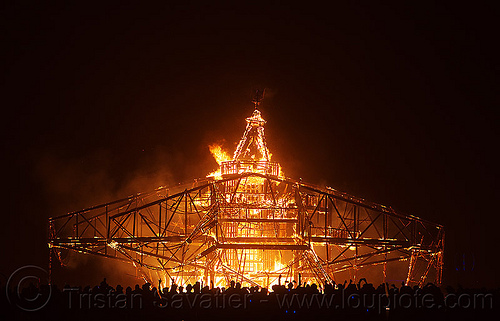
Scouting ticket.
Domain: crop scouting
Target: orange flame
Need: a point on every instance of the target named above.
(219, 154)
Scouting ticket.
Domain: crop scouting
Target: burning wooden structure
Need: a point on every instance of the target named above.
(248, 223)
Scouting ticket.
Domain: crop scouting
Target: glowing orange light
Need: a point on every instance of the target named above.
(219, 154)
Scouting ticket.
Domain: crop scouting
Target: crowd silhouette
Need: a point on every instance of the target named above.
(289, 301)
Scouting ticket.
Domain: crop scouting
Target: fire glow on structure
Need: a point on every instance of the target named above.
(248, 223)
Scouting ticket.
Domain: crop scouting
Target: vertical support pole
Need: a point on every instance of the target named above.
(384, 222)
(217, 229)
(51, 227)
(212, 194)
(133, 224)
(135, 214)
(213, 202)
(355, 219)
(159, 229)
(296, 265)
(164, 233)
(439, 260)
(326, 215)
(309, 224)
(185, 229)
(356, 223)
(385, 268)
(205, 274)
(413, 259)
(76, 225)
(210, 258)
(185, 213)
(107, 230)
(326, 229)
(159, 220)
(50, 266)
(298, 201)
(385, 236)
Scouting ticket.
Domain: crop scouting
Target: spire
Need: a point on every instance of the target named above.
(252, 146)
(258, 97)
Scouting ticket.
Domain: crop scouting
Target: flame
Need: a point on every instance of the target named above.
(217, 175)
(219, 154)
(250, 191)
(281, 174)
(278, 266)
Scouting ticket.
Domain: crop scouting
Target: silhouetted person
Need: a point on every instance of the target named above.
(197, 287)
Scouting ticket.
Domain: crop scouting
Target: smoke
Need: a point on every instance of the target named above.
(77, 183)
(74, 183)
(71, 184)
(85, 269)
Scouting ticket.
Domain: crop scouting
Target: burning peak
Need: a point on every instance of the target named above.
(251, 154)
(252, 145)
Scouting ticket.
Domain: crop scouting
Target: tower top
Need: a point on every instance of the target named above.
(258, 97)
(252, 145)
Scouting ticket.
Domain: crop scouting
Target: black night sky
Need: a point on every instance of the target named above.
(395, 103)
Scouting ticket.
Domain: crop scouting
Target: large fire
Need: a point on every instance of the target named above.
(219, 154)
(248, 223)
(251, 156)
